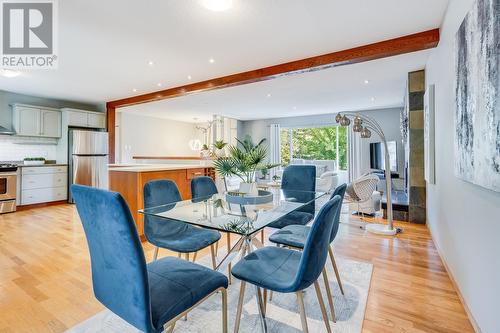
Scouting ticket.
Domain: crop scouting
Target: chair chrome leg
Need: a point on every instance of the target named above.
(329, 295)
(302, 311)
(224, 310)
(265, 301)
(212, 251)
(240, 307)
(228, 240)
(335, 269)
(155, 255)
(322, 307)
(260, 306)
(170, 329)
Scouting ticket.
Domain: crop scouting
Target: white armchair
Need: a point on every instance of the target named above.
(327, 182)
(326, 178)
(362, 195)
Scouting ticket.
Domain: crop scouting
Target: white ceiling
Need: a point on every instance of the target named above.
(105, 46)
(326, 91)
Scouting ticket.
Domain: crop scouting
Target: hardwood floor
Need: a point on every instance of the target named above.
(45, 276)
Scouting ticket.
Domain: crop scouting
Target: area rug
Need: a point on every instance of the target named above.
(282, 311)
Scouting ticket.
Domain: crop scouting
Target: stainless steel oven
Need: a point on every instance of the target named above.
(8, 185)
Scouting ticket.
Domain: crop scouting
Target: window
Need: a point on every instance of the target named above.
(314, 143)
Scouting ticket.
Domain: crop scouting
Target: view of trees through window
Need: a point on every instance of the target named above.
(316, 143)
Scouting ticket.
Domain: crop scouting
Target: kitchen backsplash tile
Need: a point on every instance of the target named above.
(14, 148)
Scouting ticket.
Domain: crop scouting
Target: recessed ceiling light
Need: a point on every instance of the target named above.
(373, 99)
(134, 90)
(150, 63)
(189, 77)
(217, 5)
(295, 108)
(211, 60)
(268, 95)
(9, 73)
(159, 84)
(366, 81)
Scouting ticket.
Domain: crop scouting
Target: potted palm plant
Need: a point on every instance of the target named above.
(243, 161)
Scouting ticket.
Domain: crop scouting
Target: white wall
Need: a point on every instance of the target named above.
(388, 119)
(464, 218)
(150, 136)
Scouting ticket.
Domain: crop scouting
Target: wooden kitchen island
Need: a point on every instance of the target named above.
(129, 182)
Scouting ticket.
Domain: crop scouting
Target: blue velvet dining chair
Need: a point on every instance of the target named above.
(150, 297)
(288, 271)
(201, 188)
(295, 236)
(297, 178)
(169, 234)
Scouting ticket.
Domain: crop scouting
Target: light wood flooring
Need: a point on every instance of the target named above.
(45, 281)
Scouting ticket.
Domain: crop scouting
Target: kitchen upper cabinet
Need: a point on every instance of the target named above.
(77, 118)
(51, 123)
(37, 122)
(97, 120)
(27, 121)
(80, 118)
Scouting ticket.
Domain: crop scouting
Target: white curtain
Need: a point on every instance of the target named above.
(354, 154)
(274, 147)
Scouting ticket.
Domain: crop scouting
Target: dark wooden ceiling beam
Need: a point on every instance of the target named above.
(401, 45)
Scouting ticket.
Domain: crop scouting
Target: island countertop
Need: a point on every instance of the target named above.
(156, 167)
(129, 181)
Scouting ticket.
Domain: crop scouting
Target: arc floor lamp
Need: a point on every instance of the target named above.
(364, 125)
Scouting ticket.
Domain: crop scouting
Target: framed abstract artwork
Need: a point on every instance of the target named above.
(477, 107)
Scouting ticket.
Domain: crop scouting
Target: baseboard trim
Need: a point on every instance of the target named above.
(40, 205)
(472, 320)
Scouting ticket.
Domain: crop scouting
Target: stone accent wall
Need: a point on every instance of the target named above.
(417, 186)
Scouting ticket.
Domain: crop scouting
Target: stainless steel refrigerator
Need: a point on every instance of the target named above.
(88, 159)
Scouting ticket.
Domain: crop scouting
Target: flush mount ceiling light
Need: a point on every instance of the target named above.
(9, 73)
(217, 5)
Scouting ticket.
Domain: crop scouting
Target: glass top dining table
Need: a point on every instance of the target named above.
(215, 212)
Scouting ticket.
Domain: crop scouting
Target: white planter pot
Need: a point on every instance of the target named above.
(33, 162)
(220, 152)
(249, 188)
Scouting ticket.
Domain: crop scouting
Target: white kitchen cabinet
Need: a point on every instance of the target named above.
(41, 184)
(96, 120)
(50, 123)
(42, 195)
(77, 118)
(27, 121)
(81, 118)
(36, 121)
